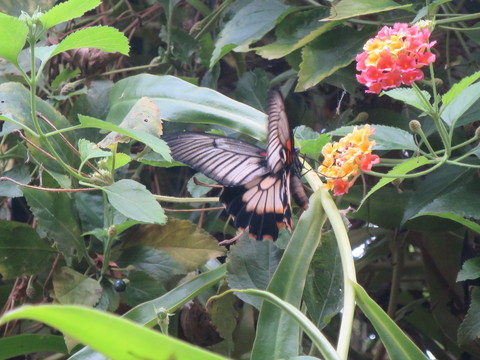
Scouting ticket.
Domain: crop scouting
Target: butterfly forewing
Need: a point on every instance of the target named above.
(230, 162)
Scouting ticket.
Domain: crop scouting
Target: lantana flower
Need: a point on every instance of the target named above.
(394, 56)
(346, 159)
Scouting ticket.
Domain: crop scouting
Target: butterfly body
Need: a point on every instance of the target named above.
(257, 182)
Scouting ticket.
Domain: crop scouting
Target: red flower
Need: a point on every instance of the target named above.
(394, 57)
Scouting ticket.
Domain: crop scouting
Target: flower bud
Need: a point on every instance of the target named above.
(477, 132)
(415, 126)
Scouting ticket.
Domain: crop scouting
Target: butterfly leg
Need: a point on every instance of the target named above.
(232, 240)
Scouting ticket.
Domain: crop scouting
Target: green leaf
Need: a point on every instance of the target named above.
(460, 104)
(19, 173)
(144, 116)
(156, 263)
(386, 137)
(251, 266)
(183, 102)
(71, 287)
(13, 34)
(142, 287)
(121, 159)
(22, 251)
(311, 142)
(346, 9)
(468, 329)
(409, 96)
(13, 346)
(398, 170)
(98, 328)
(67, 10)
(103, 38)
(295, 31)
(57, 219)
(224, 316)
(457, 88)
(199, 190)
(398, 345)
(470, 270)
(157, 145)
(249, 24)
(277, 333)
(328, 53)
(89, 150)
(323, 289)
(188, 244)
(133, 200)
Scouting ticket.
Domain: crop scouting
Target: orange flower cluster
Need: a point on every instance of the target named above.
(393, 57)
(343, 160)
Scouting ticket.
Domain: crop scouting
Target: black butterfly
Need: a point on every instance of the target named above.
(257, 183)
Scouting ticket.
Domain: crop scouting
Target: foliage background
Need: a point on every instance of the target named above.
(410, 238)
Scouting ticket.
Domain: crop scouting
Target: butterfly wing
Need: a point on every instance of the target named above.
(230, 162)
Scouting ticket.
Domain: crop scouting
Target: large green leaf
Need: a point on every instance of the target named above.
(100, 329)
(460, 104)
(181, 101)
(13, 34)
(251, 266)
(145, 314)
(398, 345)
(323, 290)
(328, 53)
(20, 174)
(67, 10)
(346, 9)
(470, 270)
(457, 88)
(249, 24)
(72, 287)
(133, 200)
(183, 240)
(469, 329)
(104, 38)
(295, 31)
(22, 251)
(409, 96)
(13, 346)
(57, 219)
(277, 333)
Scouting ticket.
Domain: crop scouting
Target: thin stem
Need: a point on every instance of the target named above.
(63, 130)
(454, 19)
(179, 200)
(426, 142)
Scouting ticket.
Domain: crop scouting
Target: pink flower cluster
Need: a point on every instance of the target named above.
(394, 56)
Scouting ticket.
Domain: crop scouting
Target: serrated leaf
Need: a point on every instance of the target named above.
(469, 329)
(133, 200)
(141, 288)
(199, 190)
(398, 345)
(10, 189)
(190, 245)
(249, 24)
(157, 145)
(251, 266)
(457, 88)
(144, 116)
(67, 10)
(89, 150)
(120, 159)
(155, 262)
(103, 38)
(470, 270)
(386, 137)
(409, 96)
(398, 170)
(183, 102)
(460, 104)
(346, 9)
(22, 252)
(224, 316)
(57, 219)
(323, 288)
(295, 31)
(13, 34)
(72, 287)
(328, 53)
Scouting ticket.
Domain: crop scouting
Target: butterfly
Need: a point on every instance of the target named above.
(257, 183)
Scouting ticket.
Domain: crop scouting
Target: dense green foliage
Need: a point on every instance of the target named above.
(87, 87)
